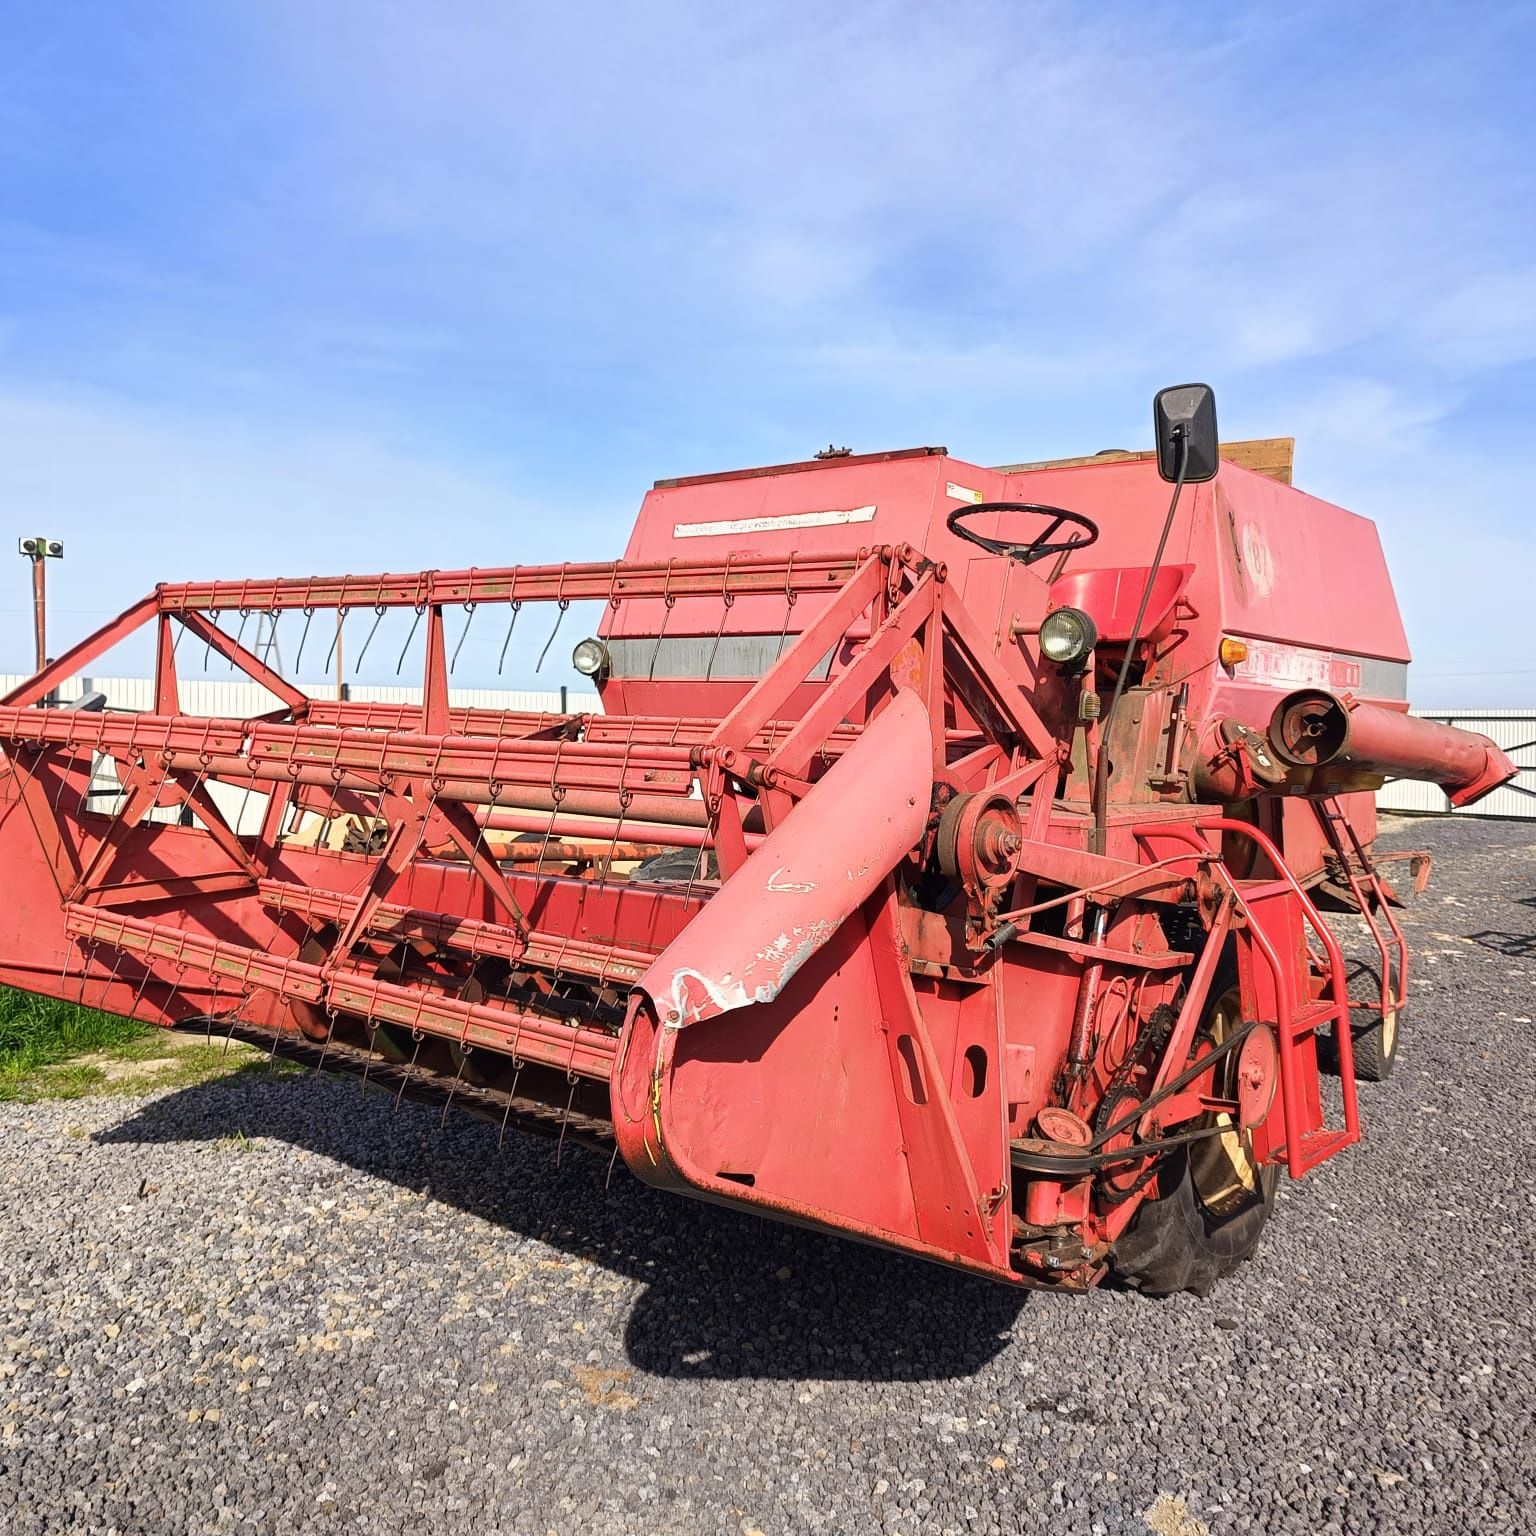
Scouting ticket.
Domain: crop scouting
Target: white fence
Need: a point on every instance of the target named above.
(1512, 729)
(239, 700)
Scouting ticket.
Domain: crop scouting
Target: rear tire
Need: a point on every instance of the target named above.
(1215, 1204)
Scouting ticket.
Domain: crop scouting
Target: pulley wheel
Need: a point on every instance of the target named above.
(1056, 1124)
(1258, 1071)
(979, 840)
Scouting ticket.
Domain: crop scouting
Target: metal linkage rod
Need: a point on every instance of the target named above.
(367, 716)
(644, 730)
(478, 769)
(235, 963)
(684, 732)
(665, 834)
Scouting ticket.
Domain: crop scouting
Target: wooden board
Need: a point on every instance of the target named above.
(1272, 456)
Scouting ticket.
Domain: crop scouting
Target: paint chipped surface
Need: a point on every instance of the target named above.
(1257, 559)
(879, 858)
(695, 995)
(827, 857)
(780, 885)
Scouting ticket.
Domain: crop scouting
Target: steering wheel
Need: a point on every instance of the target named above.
(1035, 549)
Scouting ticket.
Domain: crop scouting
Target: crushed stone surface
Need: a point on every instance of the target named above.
(275, 1305)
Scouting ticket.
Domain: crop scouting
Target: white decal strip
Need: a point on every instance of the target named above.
(961, 493)
(773, 522)
(1273, 664)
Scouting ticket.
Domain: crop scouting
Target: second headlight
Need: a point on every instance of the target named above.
(1067, 636)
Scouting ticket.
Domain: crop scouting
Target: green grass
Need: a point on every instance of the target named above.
(39, 1032)
(43, 1041)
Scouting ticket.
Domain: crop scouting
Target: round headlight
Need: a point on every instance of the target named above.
(1067, 636)
(590, 657)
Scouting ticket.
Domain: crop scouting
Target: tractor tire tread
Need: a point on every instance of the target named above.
(1373, 1063)
(1174, 1243)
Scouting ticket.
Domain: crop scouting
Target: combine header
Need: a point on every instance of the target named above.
(943, 869)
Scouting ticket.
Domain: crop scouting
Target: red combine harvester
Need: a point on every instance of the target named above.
(941, 871)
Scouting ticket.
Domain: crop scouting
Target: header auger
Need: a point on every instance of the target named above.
(942, 869)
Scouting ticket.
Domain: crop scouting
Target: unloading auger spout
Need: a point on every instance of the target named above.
(1353, 745)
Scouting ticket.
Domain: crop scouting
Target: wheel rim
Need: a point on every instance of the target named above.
(1224, 1169)
(1389, 1032)
(1387, 1039)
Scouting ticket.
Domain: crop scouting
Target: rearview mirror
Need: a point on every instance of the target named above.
(1186, 414)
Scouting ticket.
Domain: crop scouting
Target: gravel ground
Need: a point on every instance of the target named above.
(271, 1305)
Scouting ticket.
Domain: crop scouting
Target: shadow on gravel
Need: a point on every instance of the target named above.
(726, 1295)
(1515, 946)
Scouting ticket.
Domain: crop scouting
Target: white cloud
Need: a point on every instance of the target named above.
(793, 270)
(1487, 322)
(139, 498)
(1453, 523)
(1351, 423)
(923, 365)
(792, 136)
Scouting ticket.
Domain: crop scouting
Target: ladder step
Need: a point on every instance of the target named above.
(1310, 1015)
(1319, 1145)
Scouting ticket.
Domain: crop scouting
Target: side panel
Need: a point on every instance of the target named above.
(795, 1098)
(776, 1055)
(829, 1106)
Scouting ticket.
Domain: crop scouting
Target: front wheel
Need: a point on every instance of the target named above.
(1376, 1039)
(1216, 1196)
(1376, 1042)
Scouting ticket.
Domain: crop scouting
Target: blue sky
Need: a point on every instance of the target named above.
(354, 284)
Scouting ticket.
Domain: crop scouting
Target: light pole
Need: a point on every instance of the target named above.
(40, 551)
